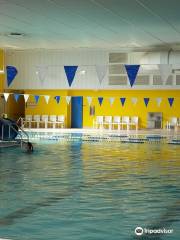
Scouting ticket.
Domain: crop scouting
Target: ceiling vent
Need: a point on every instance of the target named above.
(118, 57)
(16, 34)
(118, 80)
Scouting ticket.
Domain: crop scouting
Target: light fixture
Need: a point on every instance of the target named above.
(82, 72)
(149, 67)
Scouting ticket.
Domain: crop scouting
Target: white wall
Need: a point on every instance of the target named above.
(27, 61)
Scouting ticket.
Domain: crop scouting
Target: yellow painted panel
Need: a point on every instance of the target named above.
(52, 108)
(14, 109)
(1, 82)
(129, 109)
(1, 69)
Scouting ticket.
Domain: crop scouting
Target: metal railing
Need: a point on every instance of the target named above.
(19, 131)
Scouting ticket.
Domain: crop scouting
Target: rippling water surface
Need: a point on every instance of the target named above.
(83, 191)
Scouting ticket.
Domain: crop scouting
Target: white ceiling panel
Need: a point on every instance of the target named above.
(107, 24)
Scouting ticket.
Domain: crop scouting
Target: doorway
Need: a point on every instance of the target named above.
(76, 112)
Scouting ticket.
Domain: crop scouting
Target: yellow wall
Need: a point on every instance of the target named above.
(2, 105)
(129, 109)
(1, 68)
(14, 109)
(52, 108)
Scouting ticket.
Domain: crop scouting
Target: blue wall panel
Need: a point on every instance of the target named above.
(76, 112)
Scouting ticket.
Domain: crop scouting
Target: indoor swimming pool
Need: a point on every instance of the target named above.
(77, 190)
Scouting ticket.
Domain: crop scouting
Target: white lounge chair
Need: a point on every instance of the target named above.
(99, 122)
(28, 120)
(61, 120)
(172, 123)
(134, 122)
(53, 120)
(108, 121)
(125, 121)
(117, 121)
(45, 119)
(37, 120)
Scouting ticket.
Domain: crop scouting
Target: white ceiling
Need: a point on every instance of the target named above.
(107, 24)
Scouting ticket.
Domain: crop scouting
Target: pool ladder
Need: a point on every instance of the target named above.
(19, 140)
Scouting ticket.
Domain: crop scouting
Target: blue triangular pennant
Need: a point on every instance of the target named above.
(146, 101)
(11, 74)
(16, 96)
(170, 100)
(36, 97)
(122, 101)
(70, 73)
(57, 98)
(132, 71)
(100, 99)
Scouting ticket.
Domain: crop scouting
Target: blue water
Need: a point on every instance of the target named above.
(89, 191)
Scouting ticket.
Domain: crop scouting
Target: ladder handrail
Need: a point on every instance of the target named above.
(10, 127)
(18, 133)
(15, 130)
(20, 119)
(25, 133)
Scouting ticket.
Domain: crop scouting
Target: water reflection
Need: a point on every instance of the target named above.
(125, 184)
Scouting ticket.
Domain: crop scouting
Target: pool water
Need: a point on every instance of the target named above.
(89, 191)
